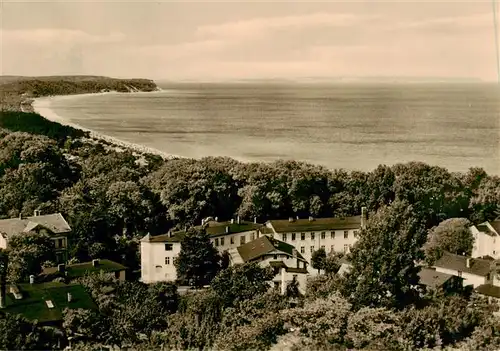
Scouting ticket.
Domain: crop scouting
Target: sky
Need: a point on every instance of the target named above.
(208, 40)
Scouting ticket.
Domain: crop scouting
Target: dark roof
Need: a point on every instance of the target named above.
(80, 269)
(212, 228)
(280, 264)
(265, 245)
(489, 290)
(483, 228)
(164, 238)
(429, 277)
(33, 306)
(317, 224)
(55, 223)
(496, 225)
(459, 263)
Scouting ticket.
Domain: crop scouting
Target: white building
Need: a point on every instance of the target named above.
(474, 271)
(53, 224)
(309, 235)
(284, 258)
(158, 252)
(486, 239)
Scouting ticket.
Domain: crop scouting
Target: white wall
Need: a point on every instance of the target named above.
(485, 244)
(3, 242)
(308, 245)
(469, 279)
(217, 241)
(153, 266)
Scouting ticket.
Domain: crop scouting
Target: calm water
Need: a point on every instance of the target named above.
(339, 126)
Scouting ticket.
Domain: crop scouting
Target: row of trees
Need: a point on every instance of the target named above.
(112, 198)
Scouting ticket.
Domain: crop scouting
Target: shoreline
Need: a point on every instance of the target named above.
(42, 106)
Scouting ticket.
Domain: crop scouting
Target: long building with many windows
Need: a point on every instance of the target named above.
(306, 235)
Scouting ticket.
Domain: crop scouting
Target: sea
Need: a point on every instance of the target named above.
(354, 126)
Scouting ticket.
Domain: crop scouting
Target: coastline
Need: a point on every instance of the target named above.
(42, 106)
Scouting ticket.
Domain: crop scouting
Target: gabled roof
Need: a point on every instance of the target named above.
(55, 223)
(316, 224)
(459, 263)
(265, 245)
(429, 277)
(496, 225)
(489, 290)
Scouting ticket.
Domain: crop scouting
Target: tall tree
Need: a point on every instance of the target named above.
(27, 252)
(198, 260)
(452, 235)
(318, 259)
(383, 271)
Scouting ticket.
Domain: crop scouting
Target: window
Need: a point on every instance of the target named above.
(216, 242)
(312, 236)
(323, 247)
(332, 235)
(302, 236)
(332, 248)
(232, 240)
(221, 241)
(167, 260)
(283, 237)
(355, 233)
(242, 240)
(169, 247)
(323, 235)
(460, 274)
(59, 243)
(293, 236)
(275, 257)
(252, 236)
(312, 248)
(302, 249)
(346, 248)
(346, 234)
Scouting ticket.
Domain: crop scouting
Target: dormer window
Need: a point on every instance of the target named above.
(169, 247)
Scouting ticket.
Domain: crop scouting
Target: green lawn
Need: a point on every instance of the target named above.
(32, 306)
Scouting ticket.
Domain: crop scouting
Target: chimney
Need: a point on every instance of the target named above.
(227, 229)
(297, 218)
(255, 220)
(61, 267)
(238, 220)
(70, 297)
(311, 218)
(290, 219)
(95, 263)
(202, 221)
(232, 220)
(467, 262)
(32, 279)
(216, 219)
(20, 215)
(37, 213)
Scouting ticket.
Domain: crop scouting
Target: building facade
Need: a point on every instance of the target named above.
(53, 224)
(473, 271)
(159, 252)
(486, 239)
(311, 234)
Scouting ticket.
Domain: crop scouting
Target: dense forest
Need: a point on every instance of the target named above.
(113, 198)
(17, 90)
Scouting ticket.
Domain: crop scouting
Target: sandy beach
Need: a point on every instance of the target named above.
(42, 106)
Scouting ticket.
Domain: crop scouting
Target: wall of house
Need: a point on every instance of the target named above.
(469, 279)
(233, 240)
(3, 242)
(337, 241)
(283, 278)
(154, 266)
(485, 244)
